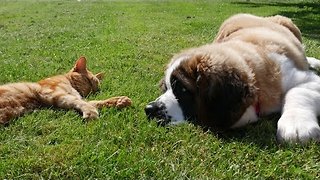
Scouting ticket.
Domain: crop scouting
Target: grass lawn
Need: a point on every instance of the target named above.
(131, 41)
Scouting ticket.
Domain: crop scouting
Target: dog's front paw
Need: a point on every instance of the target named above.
(123, 101)
(297, 129)
(90, 113)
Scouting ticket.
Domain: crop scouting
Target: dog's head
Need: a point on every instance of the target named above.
(206, 89)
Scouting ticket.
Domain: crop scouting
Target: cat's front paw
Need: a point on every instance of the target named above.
(123, 101)
(90, 113)
(297, 129)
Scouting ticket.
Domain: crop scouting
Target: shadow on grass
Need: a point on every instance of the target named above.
(262, 134)
(305, 15)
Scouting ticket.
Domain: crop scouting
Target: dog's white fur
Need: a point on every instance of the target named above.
(173, 109)
(301, 104)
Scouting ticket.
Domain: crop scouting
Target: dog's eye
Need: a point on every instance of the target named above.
(182, 89)
(178, 87)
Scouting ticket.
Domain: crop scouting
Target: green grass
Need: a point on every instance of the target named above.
(131, 41)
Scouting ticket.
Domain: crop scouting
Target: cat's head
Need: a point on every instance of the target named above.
(84, 81)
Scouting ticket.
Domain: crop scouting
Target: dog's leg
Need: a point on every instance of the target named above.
(298, 122)
(314, 63)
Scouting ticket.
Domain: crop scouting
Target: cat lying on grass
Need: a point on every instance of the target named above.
(62, 91)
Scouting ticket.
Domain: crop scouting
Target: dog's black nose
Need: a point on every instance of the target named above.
(154, 109)
(151, 109)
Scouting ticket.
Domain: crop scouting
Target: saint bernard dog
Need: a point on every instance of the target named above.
(255, 66)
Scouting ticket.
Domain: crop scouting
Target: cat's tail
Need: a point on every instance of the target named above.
(17, 99)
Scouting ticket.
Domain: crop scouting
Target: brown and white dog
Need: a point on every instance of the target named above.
(254, 67)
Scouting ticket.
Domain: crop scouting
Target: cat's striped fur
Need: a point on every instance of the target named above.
(63, 91)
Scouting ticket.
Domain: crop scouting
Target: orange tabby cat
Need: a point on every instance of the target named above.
(63, 91)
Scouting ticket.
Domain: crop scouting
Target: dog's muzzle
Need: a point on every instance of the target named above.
(157, 110)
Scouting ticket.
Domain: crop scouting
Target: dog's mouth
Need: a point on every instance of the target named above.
(162, 122)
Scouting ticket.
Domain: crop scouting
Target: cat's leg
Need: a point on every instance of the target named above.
(67, 101)
(119, 102)
(5, 117)
(87, 109)
(8, 113)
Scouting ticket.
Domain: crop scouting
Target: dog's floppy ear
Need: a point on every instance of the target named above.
(224, 94)
(162, 85)
(286, 22)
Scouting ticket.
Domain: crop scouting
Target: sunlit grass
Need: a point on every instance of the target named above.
(131, 41)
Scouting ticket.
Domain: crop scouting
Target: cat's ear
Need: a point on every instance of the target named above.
(81, 65)
(100, 76)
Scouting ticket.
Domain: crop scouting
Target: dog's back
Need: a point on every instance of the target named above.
(275, 34)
